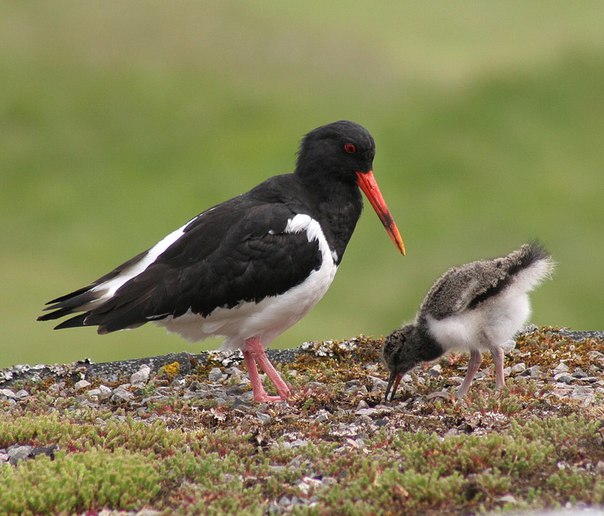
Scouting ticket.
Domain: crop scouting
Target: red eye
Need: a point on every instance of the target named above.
(350, 148)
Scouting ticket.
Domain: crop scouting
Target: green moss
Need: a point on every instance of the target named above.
(514, 449)
(79, 482)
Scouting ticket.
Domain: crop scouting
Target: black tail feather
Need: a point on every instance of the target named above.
(533, 252)
(74, 322)
(68, 304)
(57, 314)
(517, 261)
(115, 313)
(83, 300)
(67, 297)
(529, 253)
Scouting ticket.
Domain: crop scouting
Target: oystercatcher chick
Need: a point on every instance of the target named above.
(476, 307)
(251, 267)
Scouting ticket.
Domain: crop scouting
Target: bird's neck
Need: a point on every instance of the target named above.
(429, 349)
(338, 208)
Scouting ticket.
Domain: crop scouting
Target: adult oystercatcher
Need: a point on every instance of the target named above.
(478, 306)
(251, 267)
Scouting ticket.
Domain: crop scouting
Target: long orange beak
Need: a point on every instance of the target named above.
(369, 185)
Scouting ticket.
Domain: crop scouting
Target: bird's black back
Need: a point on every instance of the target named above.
(237, 251)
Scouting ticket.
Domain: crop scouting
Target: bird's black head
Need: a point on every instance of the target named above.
(340, 149)
(336, 158)
(400, 355)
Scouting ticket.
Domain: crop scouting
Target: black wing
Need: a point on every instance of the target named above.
(468, 286)
(238, 251)
(461, 288)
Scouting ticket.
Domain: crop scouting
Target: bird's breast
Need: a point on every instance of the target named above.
(272, 315)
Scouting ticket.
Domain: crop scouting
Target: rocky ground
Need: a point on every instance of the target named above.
(338, 395)
(554, 368)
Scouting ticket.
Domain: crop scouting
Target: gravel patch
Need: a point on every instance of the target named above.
(338, 391)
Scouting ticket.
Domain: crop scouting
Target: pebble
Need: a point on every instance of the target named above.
(328, 348)
(264, 418)
(381, 422)
(296, 444)
(56, 388)
(316, 385)
(7, 393)
(377, 383)
(18, 452)
(365, 411)
(236, 374)
(322, 416)
(589, 379)
(533, 372)
(507, 499)
(308, 483)
(226, 358)
(141, 377)
(579, 373)
(596, 356)
(105, 392)
(82, 384)
(362, 405)
(216, 375)
(355, 387)
(518, 368)
(101, 393)
(564, 378)
(121, 393)
(285, 502)
(435, 371)
(560, 368)
(583, 391)
(244, 400)
(438, 394)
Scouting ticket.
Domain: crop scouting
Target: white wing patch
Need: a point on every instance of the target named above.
(108, 288)
(302, 222)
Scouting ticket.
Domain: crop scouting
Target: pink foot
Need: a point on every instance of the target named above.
(255, 356)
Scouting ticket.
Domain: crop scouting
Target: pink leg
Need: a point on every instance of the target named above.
(473, 365)
(257, 387)
(498, 360)
(253, 354)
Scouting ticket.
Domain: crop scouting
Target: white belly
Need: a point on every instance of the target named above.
(266, 319)
(493, 323)
(270, 317)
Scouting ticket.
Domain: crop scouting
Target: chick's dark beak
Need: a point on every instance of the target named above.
(393, 382)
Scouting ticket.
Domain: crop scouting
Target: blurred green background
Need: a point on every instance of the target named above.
(119, 121)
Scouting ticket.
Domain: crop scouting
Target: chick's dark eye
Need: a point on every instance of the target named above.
(350, 148)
